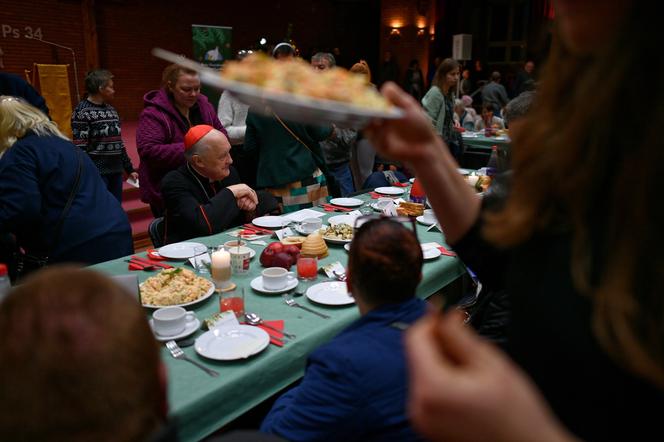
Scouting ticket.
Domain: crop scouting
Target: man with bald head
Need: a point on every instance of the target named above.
(205, 196)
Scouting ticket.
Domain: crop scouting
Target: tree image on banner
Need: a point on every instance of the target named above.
(212, 45)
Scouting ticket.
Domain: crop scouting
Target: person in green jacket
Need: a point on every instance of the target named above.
(289, 160)
(439, 104)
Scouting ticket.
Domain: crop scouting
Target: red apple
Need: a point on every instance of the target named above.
(282, 259)
(267, 256)
(276, 247)
(293, 251)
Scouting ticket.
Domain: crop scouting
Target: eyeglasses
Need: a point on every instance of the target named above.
(405, 220)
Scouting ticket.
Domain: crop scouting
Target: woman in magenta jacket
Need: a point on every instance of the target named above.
(169, 113)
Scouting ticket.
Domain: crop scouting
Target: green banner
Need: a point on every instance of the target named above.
(212, 46)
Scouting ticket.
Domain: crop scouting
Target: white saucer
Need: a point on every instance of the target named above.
(347, 247)
(346, 202)
(190, 328)
(298, 228)
(232, 342)
(257, 284)
(431, 253)
(420, 219)
(390, 190)
(330, 293)
(411, 181)
(270, 222)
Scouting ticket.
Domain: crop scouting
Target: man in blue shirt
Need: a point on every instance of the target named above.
(355, 387)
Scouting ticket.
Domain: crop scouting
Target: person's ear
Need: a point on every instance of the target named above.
(197, 160)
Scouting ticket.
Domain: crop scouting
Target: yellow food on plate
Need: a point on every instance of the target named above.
(173, 286)
(410, 209)
(314, 245)
(338, 231)
(299, 78)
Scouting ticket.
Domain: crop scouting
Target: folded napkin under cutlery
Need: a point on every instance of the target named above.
(276, 338)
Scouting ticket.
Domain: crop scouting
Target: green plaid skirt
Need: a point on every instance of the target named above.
(298, 195)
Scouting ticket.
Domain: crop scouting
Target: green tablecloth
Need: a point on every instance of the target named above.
(484, 143)
(202, 404)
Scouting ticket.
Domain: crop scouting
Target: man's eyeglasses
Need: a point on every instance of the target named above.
(405, 220)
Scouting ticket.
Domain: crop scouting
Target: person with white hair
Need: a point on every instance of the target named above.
(205, 195)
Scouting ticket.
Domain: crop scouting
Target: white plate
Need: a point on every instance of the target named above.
(287, 106)
(346, 202)
(390, 190)
(330, 293)
(420, 219)
(202, 298)
(232, 342)
(342, 219)
(431, 253)
(411, 181)
(463, 171)
(269, 222)
(336, 240)
(190, 328)
(182, 250)
(347, 247)
(257, 284)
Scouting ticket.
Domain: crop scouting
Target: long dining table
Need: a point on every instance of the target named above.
(201, 404)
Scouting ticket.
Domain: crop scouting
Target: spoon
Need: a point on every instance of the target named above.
(254, 319)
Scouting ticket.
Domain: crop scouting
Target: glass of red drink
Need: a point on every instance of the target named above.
(307, 268)
(232, 300)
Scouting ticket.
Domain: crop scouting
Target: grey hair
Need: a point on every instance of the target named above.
(518, 107)
(318, 56)
(94, 80)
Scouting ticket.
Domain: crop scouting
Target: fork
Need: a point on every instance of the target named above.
(292, 303)
(177, 353)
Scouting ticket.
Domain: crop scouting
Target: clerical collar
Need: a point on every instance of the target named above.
(200, 179)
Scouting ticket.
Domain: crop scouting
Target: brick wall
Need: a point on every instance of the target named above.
(128, 29)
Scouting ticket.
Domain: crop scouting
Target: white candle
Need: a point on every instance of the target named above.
(221, 265)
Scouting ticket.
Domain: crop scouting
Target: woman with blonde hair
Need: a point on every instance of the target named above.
(577, 244)
(52, 199)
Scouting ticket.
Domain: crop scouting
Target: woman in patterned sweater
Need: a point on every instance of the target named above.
(96, 127)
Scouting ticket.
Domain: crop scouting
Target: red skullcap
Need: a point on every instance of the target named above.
(194, 134)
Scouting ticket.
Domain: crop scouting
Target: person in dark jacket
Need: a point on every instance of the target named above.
(355, 386)
(205, 196)
(38, 170)
(169, 113)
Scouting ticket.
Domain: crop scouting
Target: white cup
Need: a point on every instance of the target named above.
(382, 203)
(233, 244)
(428, 216)
(169, 321)
(310, 225)
(276, 278)
(240, 257)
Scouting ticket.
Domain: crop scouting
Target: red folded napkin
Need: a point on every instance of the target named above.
(145, 261)
(154, 255)
(446, 252)
(332, 207)
(400, 184)
(276, 337)
(257, 229)
(375, 195)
